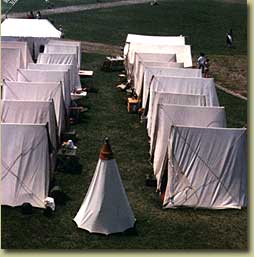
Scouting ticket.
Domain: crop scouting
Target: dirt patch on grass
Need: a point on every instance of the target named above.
(230, 72)
(93, 47)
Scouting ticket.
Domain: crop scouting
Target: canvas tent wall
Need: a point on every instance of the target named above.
(33, 112)
(211, 167)
(10, 63)
(25, 53)
(68, 43)
(38, 91)
(55, 67)
(62, 77)
(25, 166)
(63, 49)
(183, 52)
(168, 98)
(150, 57)
(147, 39)
(196, 86)
(171, 115)
(155, 63)
(69, 59)
(147, 72)
(35, 32)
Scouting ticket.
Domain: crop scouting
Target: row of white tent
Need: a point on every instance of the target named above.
(34, 113)
(197, 160)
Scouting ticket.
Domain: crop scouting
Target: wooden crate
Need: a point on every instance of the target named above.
(133, 105)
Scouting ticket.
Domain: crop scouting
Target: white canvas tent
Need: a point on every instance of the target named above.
(210, 165)
(195, 86)
(149, 57)
(25, 53)
(68, 43)
(69, 59)
(25, 166)
(105, 208)
(38, 91)
(148, 71)
(138, 73)
(35, 32)
(171, 115)
(33, 112)
(183, 52)
(62, 77)
(148, 39)
(168, 98)
(56, 67)
(63, 49)
(10, 63)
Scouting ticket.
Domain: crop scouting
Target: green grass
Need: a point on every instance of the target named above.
(204, 22)
(157, 228)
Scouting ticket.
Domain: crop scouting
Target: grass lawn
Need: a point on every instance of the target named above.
(206, 24)
(157, 228)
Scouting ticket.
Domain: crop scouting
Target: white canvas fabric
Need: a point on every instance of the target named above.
(171, 115)
(56, 67)
(25, 53)
(41, 28)
(168, 98)
(68, 43)
(33, 43)
(149, 57)
(38, 91)
(105, 208)
(183, 52)
(35, 32)
(70, 59)
(207, 168)
(148, 39)
(158, 40)
(63, 49)
(33, 112)
(195, 86)
(11, 61)
(139, 71)
(25, 165)
(63, 77)
(147, 71)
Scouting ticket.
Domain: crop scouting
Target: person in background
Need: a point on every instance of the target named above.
(201, 62)
(206, 68)
(30, 15)
(62, 32)
(229, 38)
(38, 15)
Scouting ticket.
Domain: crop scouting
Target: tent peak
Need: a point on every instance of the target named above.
(106, 151)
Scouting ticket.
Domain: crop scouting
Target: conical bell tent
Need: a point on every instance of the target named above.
(105, 209)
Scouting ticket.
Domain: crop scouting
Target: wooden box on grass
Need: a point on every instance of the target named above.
(133, 105)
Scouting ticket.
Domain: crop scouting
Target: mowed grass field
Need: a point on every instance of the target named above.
(107, 116)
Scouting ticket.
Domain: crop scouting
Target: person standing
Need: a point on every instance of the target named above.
(38, 15)
(201, 62)
(206, 68)
(229, 38)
